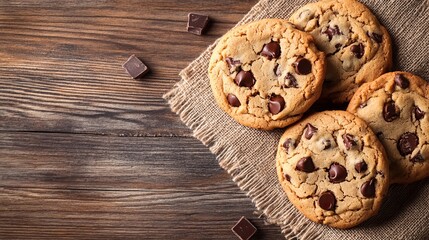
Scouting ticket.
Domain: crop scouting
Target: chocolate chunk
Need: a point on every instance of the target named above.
(310, 130)
(245, 79)
(305, 164)
(290, 81)
(233, 100)
(289, 143)
(233, 64)
(390, 112)
(135, 68)
(332, 31)
(302, 66)
(244, 229)
(276, 104)
(377, 37)
(197, 23)
(327, 201)
(407, 143)
(368, 188)
(402, 81)
(417, 158)
(271, 50)
(326, 144)
(361, 167)
(337, 173)
(358, 50)
(349, 141)
(418, 113)
(287, 177)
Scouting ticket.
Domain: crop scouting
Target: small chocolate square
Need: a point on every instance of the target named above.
(244, 229)
(197, 23)
(135, 67)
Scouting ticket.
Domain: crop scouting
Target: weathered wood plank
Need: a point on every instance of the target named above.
(60, 62)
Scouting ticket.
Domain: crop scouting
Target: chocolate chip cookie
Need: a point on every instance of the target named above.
(357, 46)
(333, 168)
(266, 74)
(395, 107)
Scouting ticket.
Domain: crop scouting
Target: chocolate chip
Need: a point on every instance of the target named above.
(327, 201)
(407, 143)
(368, 188)
(402, 81)
(233, 100)
(358, 50)
(305, 164)
(390, 112)
(287, 177)
(197, 23)
(338, 46)
(377, 37)
(337, 173)
(418, 113)
(245, 79)
(417, 158)
(310, 130)
(271, 50)
(244, 229)
(332, 31)
(302, 66)
(361, 167)
(289, 143)
(290, 81)
(135, 67)
(379, 135)
(276, 104)
(349, 141)
(326, 144)
(233, 64)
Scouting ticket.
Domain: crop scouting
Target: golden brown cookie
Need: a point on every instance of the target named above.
(266, 74)
(395, 106)
(333, 169)
(358, 48)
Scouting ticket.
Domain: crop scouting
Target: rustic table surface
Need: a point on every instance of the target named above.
(85, 151)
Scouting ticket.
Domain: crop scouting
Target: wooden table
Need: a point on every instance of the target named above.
(85, 151)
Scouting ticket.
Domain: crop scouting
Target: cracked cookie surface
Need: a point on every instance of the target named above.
(333, 168)
(395, 106)
(357, 46)
(266, 74)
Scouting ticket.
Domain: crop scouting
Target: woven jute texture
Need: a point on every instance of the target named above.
(249, 155)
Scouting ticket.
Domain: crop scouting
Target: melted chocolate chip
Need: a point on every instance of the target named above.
(418, 113)
(361, 167)
(290, 81)
(233, 100)
(287, 177)
(271, 50)
(276, 104)
(327, 201)
(305, 164)
(310, 130)
(245, 79)
(402, 81)
(377, 37)
(368, 188)
(288, 144)
(407, 143)
(358, 50)
(337, 173)
(390, 112)
(330, 32)
(349, 141)
(417, 158)
(302, 66)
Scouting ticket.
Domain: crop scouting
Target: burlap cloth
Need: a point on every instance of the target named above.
(249, 155)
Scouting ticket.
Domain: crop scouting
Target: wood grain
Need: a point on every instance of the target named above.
(88, 153)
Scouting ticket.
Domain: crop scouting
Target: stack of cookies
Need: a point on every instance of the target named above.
(335, 166)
